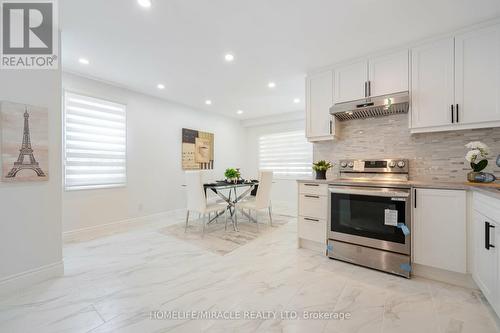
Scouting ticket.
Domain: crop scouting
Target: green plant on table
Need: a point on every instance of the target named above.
(232, 174)
(322, 165)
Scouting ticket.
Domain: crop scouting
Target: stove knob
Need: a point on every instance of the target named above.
(392, 164)
(401, 164)
(350, 165)
(343, 164)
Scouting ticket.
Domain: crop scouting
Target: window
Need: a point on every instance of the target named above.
(94, 143)
(287, 154)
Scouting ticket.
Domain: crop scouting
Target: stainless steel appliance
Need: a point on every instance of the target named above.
(370, 215)
(375, 106)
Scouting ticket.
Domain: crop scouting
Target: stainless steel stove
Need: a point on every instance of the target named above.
(370, 215)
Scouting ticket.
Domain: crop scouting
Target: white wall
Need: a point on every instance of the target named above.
(284, 192)
(154, 168)
(30, 213)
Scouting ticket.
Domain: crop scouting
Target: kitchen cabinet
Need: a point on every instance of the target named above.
(432, 84)
(439, 233)
(313, 212)
(455, 82)
(485, 256)
(350, 82)
(319, 98)
(477, 75)
(388, 74)
(485, 247)
(375, 76)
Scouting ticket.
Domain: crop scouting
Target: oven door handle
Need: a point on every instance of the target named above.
(370, 192)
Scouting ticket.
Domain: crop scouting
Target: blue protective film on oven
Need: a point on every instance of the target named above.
(329, 247)
(404, 229)
(405, 267)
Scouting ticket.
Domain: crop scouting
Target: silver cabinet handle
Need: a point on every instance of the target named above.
(309, 219)
(312, 196)
(311, 184)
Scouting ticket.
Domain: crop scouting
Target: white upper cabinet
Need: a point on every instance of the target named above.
(376, 76)
(456, 82)
(439, 233)
(319, 99)
(477, 75)
(388, 73)
(350, 82)
(432, 84)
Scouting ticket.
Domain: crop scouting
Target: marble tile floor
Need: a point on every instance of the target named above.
(112, 283)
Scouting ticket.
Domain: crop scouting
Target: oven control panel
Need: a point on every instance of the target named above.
(375, 166)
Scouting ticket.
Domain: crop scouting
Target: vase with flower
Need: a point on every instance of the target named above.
(477, 157)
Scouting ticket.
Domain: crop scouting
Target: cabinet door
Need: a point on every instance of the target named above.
(388, 74)
(477, 75)
(432, 84)
(485, 264)
(350, 82)
(319, 101)
(439, 232)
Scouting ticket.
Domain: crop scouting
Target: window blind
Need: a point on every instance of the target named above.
(287, 154)
(94, 143)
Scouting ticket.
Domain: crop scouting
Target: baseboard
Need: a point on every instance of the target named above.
(17, 282)
(112, 227)
(431, 273)
(312, 245)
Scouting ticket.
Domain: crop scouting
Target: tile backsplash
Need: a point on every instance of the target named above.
(433, 156)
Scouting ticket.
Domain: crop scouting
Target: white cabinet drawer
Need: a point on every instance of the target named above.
(312, 229)
(313, 188)
(487, 206)
(313, 205)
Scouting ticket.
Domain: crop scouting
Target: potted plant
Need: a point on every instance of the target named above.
(321, 167)
(232, 175)
(477, 157)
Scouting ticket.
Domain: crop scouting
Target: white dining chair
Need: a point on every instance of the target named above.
(261, 201)
(197, 200)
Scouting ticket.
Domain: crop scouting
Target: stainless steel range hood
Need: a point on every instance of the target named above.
(376, 106)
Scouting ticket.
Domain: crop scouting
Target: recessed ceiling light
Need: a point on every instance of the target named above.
(208, 102)
(84, 61)
(239, 112)
(271, 84)
(144, 3)
(229, 57)
(160, 86)
(296, 100)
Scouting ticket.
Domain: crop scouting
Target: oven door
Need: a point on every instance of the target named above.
(357, 215)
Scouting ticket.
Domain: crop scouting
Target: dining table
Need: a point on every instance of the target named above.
(228, 191)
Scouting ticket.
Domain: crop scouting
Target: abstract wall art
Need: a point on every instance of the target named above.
(24, 142)
(197, 150)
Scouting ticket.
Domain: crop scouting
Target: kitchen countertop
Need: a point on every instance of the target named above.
(492, 190)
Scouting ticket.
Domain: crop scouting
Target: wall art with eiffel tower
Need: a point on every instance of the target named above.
(25, 142)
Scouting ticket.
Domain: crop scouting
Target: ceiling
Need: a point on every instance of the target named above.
(182, 43)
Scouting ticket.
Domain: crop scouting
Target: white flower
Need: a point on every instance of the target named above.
(485, 150)
(474, 156)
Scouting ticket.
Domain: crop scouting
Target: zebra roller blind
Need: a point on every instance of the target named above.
(95, 144)
(287, 154)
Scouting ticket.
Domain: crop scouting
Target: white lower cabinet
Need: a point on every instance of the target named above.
(312, 229)
(439, 229)
(313, 211)
(485, 255)
(485, 246)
